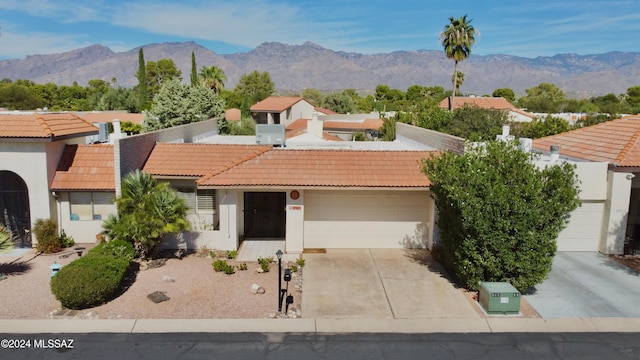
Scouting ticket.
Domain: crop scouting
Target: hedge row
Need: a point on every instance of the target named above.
(94, 278)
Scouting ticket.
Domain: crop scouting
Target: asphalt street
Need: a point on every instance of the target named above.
(283, 346)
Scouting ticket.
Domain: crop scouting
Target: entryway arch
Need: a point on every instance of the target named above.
(14, 206)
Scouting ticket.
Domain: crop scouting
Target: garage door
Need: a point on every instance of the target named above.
(365, 219)
(583, 231)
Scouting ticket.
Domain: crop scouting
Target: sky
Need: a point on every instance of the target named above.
(520, 28)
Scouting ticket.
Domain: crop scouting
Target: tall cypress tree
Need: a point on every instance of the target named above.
(143, 93)
(194, 72)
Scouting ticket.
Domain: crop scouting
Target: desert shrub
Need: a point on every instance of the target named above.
(300, 262)
(294, 268)
(46, 232)
(243, 266)
(231, 254)
(222, 266)
(265, 263)
(119, 249)
(6, 241)
(219, 265)
(89, 281)
(65, 240)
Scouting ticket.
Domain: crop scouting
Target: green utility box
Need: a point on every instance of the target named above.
(499, 298)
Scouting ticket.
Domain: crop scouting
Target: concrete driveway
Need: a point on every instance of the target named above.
(379, 284)
(587, 284)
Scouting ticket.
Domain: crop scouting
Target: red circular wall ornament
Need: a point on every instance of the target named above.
(295, 194)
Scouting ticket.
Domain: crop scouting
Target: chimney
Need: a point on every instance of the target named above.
(117, 132)
(555, 153)
(315, 126)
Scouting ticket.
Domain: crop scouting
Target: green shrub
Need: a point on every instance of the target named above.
(65, 240)
(265, 263)
(243, 266)
(229, 269)
(294, 268)
(300, 262)
(89, 281)
(231, 254)
(119, 249)
(46, 232)
(219, 265)
(6, 239)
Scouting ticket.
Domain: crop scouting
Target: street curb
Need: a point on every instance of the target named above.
(440, 325)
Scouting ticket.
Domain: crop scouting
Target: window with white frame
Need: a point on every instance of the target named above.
(91, 205)
(199, 201)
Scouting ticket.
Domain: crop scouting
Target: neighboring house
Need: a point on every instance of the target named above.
(111, 116)
(233, 114)
(282, 110)
(496, 103)
(336, 126)
(31, 145)
(609, 218)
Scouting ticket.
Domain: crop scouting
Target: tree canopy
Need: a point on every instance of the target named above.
(179, 103)
(256, 85)
(457, 39)
(499, 215)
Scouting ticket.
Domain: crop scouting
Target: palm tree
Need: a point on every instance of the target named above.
(146, 211)
(6, 239)
(213, 77)
(457, 38)
(458, 79)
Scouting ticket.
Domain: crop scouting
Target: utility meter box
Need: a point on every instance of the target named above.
(499, 298)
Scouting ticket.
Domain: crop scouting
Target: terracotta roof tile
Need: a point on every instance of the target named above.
(196, 160)
(43, 125)
(110, 116)
(367, 124)
(325, 168)
(233, 115)
(499, 103)
(613, 141)
(85, 167)
(276, 103)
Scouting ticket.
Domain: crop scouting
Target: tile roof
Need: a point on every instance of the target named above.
(43, 125)
(85, 167)
(325, 135)
(499, 103)
(613, 141)
(325, 111)
(368, 124)
(276, 103)
(325, 168)
(233, 114)
(196, 160)
(110, 116)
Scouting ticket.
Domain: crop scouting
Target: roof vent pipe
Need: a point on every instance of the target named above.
(555, 153)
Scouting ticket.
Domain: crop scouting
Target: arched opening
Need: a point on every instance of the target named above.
(14, 207)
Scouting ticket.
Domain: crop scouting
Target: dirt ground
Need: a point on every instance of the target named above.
(630, 261)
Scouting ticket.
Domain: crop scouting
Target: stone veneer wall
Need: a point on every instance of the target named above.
(130, 153)
(431, 138)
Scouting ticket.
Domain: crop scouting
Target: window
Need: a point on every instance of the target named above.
(91, 205)
(199, 201)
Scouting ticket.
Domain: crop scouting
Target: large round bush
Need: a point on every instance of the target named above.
(93, 279)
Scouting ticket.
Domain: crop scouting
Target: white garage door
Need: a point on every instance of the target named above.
(365, 219)
(583, 231)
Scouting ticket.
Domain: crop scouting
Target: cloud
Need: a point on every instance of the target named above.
(16, 45)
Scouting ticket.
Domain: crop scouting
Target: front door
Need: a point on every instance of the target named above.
(264, 215)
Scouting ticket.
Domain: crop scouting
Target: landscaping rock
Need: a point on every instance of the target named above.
(257, 289)
(158, 297)
(168, 279)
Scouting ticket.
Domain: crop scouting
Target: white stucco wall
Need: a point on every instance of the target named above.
(295, 223)
(82, 231)
(616, 212)
(35, 163)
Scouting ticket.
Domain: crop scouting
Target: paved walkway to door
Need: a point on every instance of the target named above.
(251, 250)
(379, 284)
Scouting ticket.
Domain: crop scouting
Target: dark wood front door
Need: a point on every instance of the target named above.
(264, 215)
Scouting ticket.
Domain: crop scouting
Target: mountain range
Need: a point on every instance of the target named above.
(296, 67)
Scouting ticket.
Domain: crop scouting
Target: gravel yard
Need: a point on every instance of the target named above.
(194, 289)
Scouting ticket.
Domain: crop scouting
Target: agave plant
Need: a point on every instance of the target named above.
(6, 240)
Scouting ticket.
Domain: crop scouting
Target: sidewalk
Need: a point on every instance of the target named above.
(488, 325)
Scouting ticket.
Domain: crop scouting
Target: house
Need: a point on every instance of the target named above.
(336, 126)
(96, 117)
(342, 196)
(496, 103)
(282, 110)
(609, 154)
(31, 146)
